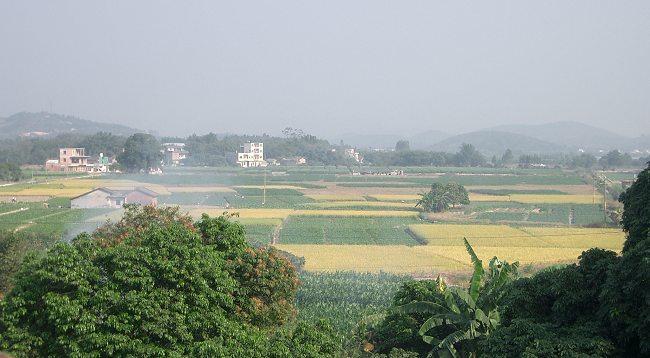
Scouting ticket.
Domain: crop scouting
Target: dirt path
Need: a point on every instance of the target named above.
(275, 238)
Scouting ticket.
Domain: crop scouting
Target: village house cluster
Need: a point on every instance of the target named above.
(75, 160)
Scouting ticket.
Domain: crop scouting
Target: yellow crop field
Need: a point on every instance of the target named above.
(56, 192)
(418, 259)
(486, 197)
(259, 221)
(540, 198)
(556, 199)
(396, 197)
(432, 232)
(612, 239)
(199, 189)
(510, 237)
(357, 213)
(373, 258)
(336, 204)
(243, 213)
(271, 186)
(525, 255)
(477, 235)
(283, 213)
(336, 197)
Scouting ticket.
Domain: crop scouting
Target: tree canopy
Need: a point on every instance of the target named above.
(442, 196)
(157, 284)
(141, 152)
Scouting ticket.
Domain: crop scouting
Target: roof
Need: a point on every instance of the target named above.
(147, 191)
(121, 193)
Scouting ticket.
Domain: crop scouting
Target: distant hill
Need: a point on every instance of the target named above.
(44, 124)
(572, 135)
(387, 141)
(491, 142)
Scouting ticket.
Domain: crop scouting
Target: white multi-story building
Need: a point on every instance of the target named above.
(251, 155)
(353, 154)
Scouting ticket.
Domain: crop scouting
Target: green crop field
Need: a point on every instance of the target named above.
(343, 298)
(345, 230)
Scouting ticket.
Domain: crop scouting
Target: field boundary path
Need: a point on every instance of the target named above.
(275, 237)
(33, 221)
(14, 211)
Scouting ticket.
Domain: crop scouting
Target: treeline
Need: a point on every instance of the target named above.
(469, 156)
(23, 151)
(214, 150)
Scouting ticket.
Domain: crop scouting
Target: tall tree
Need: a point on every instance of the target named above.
(402, 145)
(507, 157)
(469, 156)
(141, 152)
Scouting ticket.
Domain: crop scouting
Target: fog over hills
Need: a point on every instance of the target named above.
(421, 140)
(42, 124)
(558, 137)
(496, 142)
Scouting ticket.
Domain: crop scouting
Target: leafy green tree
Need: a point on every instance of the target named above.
(442, 196)
(469, 156)
(10, 172)
(14, 247)
(625, 298)
(399, 330)
(402, 146)
(141, 152)
(507, 157)
(584, 160)
(528, 159)
(102, 142)
(468, 316)
(615, 159)
(156, 284)
(525, 338)
(636, 210)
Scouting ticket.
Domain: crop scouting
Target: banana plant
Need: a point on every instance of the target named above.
(467, 315)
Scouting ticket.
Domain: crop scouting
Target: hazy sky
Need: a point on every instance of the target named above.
(329, 67)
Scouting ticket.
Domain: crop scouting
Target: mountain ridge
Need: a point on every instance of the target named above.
(46, 124)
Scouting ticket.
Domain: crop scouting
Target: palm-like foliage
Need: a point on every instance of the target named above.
(466, 315)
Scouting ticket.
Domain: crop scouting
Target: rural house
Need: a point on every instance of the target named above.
(251, 155)
(174, 153)
(112, 198)
(70, 160)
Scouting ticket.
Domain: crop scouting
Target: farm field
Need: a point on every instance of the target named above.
(365, 223)
(347, 230)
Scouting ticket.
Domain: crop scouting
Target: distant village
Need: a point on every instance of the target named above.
(75, 160)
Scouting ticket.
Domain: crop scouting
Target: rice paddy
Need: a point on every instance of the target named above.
(366, 223)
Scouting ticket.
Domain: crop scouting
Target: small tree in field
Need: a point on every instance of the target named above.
(443, 196)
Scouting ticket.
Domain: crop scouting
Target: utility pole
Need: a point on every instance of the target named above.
(594, 198)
